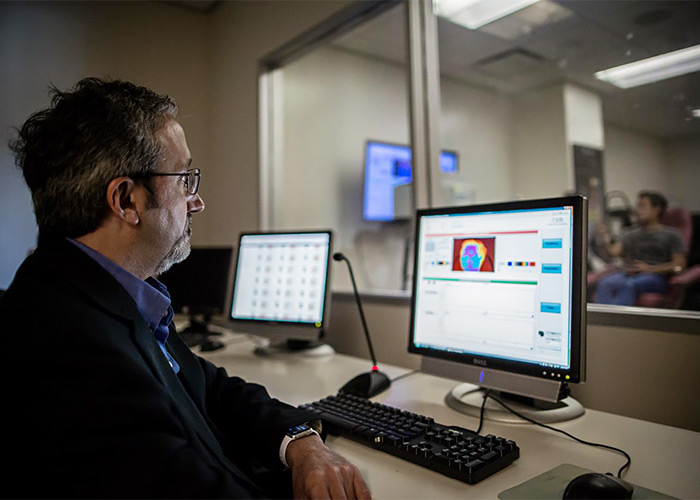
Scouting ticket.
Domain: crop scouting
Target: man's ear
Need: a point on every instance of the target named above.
(121, 199)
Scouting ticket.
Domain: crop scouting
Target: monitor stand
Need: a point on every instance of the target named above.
(467, 398)
(292, 347)
(199, 334)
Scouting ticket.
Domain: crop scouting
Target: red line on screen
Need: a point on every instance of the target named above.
(481, 234)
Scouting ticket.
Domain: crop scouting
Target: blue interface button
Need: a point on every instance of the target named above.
(550, 307)
(551, 268)
(551, 243)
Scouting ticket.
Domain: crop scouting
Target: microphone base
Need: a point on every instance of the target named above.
(367, 385)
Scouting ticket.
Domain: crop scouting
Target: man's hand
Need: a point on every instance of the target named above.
(639, 266)
(319, 473)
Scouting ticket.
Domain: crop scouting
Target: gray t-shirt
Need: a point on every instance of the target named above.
(653, 247)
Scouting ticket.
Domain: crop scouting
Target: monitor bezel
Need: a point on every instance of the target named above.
(576, 372)
(301, 325)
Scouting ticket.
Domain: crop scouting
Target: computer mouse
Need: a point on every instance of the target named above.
(595, 485)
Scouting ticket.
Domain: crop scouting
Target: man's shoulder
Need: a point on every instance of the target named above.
(61, 285)
(674, 239)
(671, 232)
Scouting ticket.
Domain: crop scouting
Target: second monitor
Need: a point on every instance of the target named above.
(281, 289)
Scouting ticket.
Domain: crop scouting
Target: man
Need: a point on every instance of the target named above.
(651, 253)
(101, 396)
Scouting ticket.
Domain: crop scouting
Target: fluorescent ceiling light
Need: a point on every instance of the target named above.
(654, 69)
(695, 113)
(474, 14)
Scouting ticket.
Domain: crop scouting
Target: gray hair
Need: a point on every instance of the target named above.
(68, 153)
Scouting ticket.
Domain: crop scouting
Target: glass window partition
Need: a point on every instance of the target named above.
(337, 149)
(540, 100)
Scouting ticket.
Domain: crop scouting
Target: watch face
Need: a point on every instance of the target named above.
(297, 429)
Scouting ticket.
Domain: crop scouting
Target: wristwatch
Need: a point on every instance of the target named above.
(293, 433)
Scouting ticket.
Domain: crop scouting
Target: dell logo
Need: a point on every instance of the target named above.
(481, 362)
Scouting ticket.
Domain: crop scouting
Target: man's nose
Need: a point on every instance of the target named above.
(195, 204)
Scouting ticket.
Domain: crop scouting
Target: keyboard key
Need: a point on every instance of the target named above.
(473, 465)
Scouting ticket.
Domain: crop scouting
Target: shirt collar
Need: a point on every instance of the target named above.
(151, 296)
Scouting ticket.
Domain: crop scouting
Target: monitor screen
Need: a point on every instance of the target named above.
(500, 286)
(388, 167)
(199, 284)
(282, 278)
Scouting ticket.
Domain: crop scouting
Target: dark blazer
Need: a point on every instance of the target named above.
(93, 409)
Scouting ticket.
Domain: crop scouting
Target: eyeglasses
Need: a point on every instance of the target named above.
(191, 177)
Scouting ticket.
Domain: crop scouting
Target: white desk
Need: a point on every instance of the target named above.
(665, 459)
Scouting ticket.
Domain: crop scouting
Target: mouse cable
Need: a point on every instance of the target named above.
(618, 450)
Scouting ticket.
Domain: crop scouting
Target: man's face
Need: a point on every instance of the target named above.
(168, 218)
(646, 212)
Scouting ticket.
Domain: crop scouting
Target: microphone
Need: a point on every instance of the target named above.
(369, 384)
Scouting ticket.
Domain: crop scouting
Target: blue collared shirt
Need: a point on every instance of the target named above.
(151, 297)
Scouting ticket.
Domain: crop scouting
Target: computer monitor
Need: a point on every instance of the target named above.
(281, 289)
(198, 287)
(499, 301)
(388, 177)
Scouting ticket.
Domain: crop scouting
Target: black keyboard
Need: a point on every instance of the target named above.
(453, 451)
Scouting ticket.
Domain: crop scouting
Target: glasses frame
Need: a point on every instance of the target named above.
(192, 178)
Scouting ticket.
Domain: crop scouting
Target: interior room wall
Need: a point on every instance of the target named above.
(683, 173)
(241, 34)
(583, 117)
(43, 43)
(633, 161)
(476, 123)
(539, 151)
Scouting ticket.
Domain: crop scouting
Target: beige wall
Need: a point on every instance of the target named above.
(633, 162)
(241, 33)
(157, 45)
(644, 374)
(684, 171)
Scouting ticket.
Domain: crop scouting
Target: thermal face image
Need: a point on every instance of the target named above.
(473, 254)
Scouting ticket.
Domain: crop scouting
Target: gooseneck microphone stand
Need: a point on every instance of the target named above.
(373, 382)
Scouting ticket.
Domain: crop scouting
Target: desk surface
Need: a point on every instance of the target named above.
(665, 459)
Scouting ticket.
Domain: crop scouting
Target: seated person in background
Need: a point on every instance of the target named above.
(651, 252)
(101, 397)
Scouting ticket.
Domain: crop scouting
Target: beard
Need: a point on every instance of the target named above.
(180, 250)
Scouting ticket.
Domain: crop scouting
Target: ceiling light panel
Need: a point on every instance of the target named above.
(474, 14)
(653, 69)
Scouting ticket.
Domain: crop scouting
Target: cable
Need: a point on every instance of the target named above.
(618, 450)
(404, 375)
(483, 406)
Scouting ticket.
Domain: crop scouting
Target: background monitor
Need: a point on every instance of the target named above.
(499, 299)
(388, 175)
(198, 287)
(281, 287)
